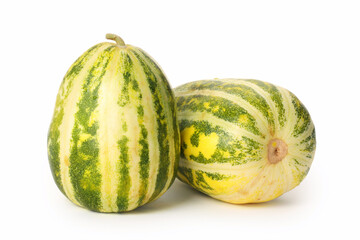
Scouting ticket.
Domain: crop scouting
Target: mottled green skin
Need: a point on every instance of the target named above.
(277, 110)
(219, 107)
(303, 116)
(275, 97)
(129, 84)
(53, 134)
(84, 170)
(196, 178)
(162, 127)
(170, 98)
(310, 143)
(245, 92)
(125, 184)
(144, 164)
(240, 151)
(54, 148)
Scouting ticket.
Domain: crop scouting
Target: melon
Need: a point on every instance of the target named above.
(113, 142)
(243, 140)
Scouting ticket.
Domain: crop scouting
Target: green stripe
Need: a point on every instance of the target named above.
(144, 157)
(151, 61)
(197, 180)
(54, 133)
(309, 143)
(221, 108)
(127, 65)
(170, 101)
(79, 63)
(298, 163)
(188, 175)
(303, 120)
(128, 85)
(170, 97)
(164, 163)
(165, 83)
(54, 147)
(131, 93)
(185, 87)
(125, 183)
(77, 66)
(302, 169)
(216, 176)
(144, 164)
(240, 90)
(202, 184)
(276, 97)
(124, 99)
(241, 150)
(84, 173)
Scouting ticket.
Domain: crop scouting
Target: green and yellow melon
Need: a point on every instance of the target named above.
(243, 141)
(114, 142)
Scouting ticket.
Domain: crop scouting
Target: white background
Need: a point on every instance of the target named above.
(309, 47)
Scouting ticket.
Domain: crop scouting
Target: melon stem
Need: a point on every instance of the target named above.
(115, 38)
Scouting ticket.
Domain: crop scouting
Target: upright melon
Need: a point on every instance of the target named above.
(243, 141)
(113, 143)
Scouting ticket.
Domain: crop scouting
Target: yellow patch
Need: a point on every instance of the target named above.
(206, 104)
(93, 117)
(218, 186)
(226, 154)
(274, 144)
(67, 162)
(83, 137)
(243, 119)
(207, 144)
(86, 182)
(215, 109)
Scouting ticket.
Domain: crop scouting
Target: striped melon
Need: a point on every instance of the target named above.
(114, 142)
(243, 141)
